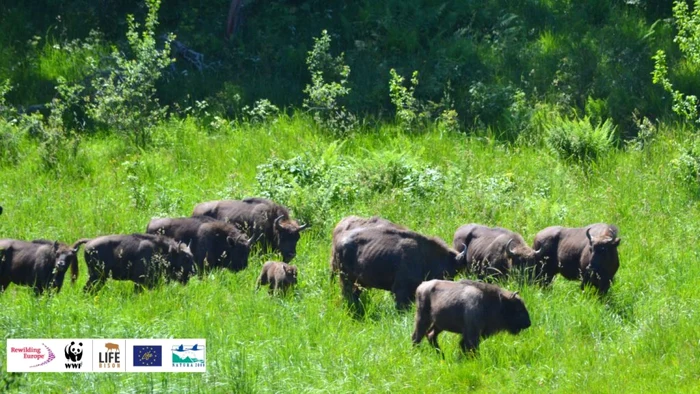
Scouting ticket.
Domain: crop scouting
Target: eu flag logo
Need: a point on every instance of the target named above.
(148, 356)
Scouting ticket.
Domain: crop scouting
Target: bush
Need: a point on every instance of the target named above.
(329, 80)
(579, 140)
(125, 98)
(686, 167)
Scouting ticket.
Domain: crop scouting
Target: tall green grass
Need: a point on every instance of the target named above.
(642, 337)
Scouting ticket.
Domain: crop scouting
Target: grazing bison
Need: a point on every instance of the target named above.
(141, 258)
(40, 263)
(493, 251)
(259, 218)
(390, 258)
(474, 309)
(353, 222)
(280, 276)
(588, 254)
(213, 243)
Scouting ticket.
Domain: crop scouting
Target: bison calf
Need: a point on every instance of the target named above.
(474, 309)
(280, 276)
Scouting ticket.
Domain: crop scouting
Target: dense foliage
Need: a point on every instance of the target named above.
(487, 56)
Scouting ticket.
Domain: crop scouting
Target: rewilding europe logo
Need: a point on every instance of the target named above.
(35, 353)
(189, 356)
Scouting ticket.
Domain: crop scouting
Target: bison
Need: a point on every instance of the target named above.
(40, 263)
(141, 258)
(390, 258)
(493, 251)
(259, 218)
(588, 254)
(213, 243)
(474, 309)
(280, 276)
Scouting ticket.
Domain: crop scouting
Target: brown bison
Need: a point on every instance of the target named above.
(588, 254)
(280, 276)
(259, 218)
(141, 258)
(353, 222)
(474, 309)
(40, 263)
(390, 258)
(213, 243)
(493, 251)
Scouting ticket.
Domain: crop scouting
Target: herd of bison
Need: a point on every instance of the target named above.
(366, 253)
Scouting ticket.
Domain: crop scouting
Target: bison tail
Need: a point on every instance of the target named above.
(74, 271)
(79, 242)
(74, 264)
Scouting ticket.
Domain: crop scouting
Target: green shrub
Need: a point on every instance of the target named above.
(579, 140)
(688, 39)
(329, 83)
(124, 100)
(686, 166)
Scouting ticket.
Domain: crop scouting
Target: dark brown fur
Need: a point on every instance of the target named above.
(493, 251)
(390, 258)
(280, 276)
(213, 243)
(141, 258)
(476, 310)
(259, 218)
(41, 264)
(588, 254)
(351, 223)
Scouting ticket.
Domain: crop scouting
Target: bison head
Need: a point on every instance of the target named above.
(64, 256)
(237, 251)
(521, 255)
(515, 315)
(286, 237)
(290, 271)
(602, 249)
(182, 262)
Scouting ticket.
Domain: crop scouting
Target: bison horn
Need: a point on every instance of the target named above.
(277, 221)
(508, 249)
(304, 227)
(514, 294)
(463, 253)
(588, 235)
(538, 252)
(250, 240)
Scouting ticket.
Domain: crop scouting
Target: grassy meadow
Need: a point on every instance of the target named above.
(642, 337)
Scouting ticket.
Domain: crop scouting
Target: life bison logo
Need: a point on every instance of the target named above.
(111, 357)
(74, 353)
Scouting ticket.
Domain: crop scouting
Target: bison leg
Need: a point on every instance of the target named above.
(4, 282)
(433, 337)
(423, 320)
(469, 342)
(38, 290)
(403, 295)
(350, 291)
(94, 284)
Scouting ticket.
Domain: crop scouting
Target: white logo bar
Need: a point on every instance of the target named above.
(106, 355)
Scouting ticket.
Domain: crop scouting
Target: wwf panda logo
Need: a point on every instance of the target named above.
(74, 352)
